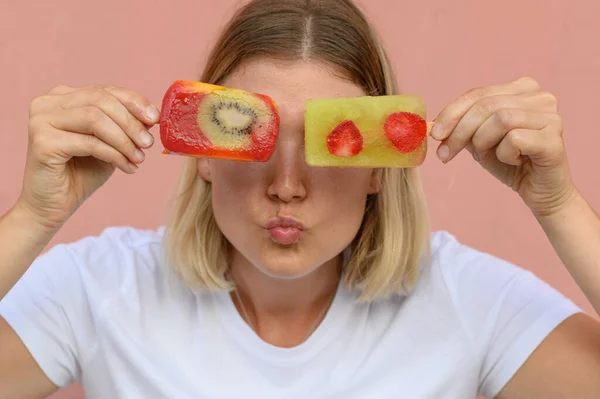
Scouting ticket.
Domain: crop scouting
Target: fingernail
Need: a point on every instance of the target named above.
(146, 138)
(133, 167)
(476, 156)
(443, 152)
(437, 132)
(153, 113)
(138, 155)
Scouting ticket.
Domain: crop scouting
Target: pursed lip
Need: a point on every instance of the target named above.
(284, 222)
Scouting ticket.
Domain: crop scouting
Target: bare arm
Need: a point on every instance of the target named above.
(565, 365)
(21, 241)
(515, 132)
(20, 375)
(77, 138)
(567, 362)
(574, 232)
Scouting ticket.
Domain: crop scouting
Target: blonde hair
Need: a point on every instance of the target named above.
(394, 234)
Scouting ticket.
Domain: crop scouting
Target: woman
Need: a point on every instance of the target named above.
(362, 303)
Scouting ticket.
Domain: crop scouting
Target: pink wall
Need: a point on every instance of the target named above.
(440, 50)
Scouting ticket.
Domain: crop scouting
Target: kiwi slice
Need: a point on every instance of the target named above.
(230, 118)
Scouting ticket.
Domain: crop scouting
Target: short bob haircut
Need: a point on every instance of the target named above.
(387, 251)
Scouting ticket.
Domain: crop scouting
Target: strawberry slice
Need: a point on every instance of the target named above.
(405, 130)
(345, 140)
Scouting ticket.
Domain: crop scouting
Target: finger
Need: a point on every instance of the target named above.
(43, 104)
(481, 111)
(62, 89)
(68, 145)
(50, 101)
(535, 144)
(114, 108)
(493, 130)
(449, 117)
(70, 97)
(137, 104)
(495, 105)
(91, 120)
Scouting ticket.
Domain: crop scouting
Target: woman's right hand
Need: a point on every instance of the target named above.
(77, 137)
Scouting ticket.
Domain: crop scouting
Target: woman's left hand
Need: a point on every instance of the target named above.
(514, 131)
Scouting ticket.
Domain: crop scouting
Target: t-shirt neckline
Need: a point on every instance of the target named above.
(326, 331)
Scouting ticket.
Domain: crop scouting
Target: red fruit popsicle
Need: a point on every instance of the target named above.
(200, 119)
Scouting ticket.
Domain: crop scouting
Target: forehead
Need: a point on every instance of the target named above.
(292, 83)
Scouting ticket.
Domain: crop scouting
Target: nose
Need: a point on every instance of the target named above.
(290, 173)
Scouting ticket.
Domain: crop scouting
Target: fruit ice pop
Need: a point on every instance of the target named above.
(382, 131)
(200, 119)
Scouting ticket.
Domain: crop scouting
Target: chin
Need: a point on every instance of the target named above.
(288, 260)
(285, 262)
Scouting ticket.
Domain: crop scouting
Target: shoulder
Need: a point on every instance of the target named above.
(484, 291)
(118, 239)
(455, 263)
(72, 294)
(484, 313)
(458, 283)
(116, 248)
(109, 263)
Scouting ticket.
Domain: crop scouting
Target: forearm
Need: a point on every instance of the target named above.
(574, 232)
(21, 241)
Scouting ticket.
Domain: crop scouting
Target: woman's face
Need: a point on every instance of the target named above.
(284, 217)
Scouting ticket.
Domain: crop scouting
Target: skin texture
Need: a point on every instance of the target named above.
(285, 185)
(78, 136)
(288, 284)
(514, 131)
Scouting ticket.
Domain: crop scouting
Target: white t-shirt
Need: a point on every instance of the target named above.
(105, 312)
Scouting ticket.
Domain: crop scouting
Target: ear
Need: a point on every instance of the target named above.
(375, 181)
(204, 169)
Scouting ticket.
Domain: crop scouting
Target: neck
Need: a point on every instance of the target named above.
(282, 311)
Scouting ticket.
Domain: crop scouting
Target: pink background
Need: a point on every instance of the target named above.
(439, 50)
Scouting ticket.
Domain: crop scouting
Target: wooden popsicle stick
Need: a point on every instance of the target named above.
(429, 127)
